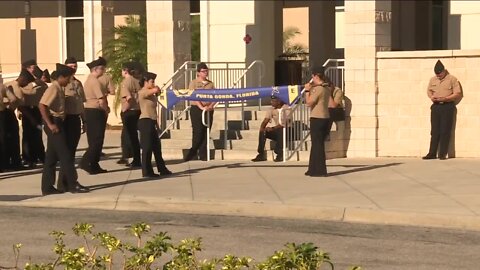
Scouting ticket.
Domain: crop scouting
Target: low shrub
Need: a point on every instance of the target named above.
(102, 251)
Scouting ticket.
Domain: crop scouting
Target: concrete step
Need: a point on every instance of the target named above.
(183, 134)
(244, 155)
(249, 143)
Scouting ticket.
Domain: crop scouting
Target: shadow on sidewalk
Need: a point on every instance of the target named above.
(17, 198)
(145, 180)
(13, 174)
(362, 169)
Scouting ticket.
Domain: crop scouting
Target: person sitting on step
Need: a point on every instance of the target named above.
(272, 128)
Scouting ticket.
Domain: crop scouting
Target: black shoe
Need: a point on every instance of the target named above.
(429, 157)
(278, 158)
(98, 171)
(260, 157)
(189, 157)
(134, 164)
(51, 191)
(85, 168)
(165, 172)
(122, 161)
(307, 173)
(78, 188)
(151, 175)
(442, 157)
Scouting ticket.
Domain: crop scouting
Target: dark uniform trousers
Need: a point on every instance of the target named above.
(130, 123)
(12, 139)
(150, 142)
(199, 136)
(125, 141)
(441, 119)
(275, 135)
(57, 150)
(317, 164)
(3, 152)
(96, 123)
(73, 131)
(33, 149)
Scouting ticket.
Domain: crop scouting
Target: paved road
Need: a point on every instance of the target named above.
(371, 246)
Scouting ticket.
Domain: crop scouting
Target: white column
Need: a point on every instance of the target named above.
(168, 37)
(368, 30)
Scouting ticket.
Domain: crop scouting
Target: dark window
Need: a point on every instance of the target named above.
(339, 3)
(194, 6)
(74, 29)
(438, 8)
(74, 8)
(75, 39)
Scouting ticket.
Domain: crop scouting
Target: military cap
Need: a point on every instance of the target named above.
(64, 71)
(273, 97)
(47, 76)
(439, 67)
(53, 76)
(201, 66)
(98, 62)
(128, 65)
(26, 75)
(30, 62)
(70, 60)
(37, 72)
(138, 66)
(317, 70)
(149, 76)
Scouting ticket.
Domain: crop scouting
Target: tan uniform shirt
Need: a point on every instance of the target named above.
(74, 97)
(338, 96)
(443, 88)
(6, 96)
(273, 115)
(148, 104)
(320, 95)
(15, 96)
(107, 84)
(129, 91)
(93, 92)
(32, 93)
(199, 84)
(54, 98)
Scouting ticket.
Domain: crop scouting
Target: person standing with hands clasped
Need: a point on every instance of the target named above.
(444, 91)
(147, 124)
(317, 96)
(199, 131)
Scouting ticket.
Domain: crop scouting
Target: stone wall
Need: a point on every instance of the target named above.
(404, 108)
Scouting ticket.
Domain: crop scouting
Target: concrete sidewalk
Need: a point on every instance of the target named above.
(381, 190)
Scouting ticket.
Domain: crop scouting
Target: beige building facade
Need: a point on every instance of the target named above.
(389, 47)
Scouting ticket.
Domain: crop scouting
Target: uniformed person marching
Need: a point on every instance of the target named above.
(33, 150)
(149, 140)
(199, 131)
(444, 91)
(74, 115)
(52, 108)
(12, 140)
(131, 110)
(317, 97)
(96, 113)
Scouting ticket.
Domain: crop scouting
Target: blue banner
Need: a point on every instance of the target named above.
(288, 94)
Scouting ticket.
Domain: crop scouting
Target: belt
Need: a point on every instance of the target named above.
(442, 103)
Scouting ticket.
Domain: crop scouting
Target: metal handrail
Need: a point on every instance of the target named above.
(184, 67)
(300, 105)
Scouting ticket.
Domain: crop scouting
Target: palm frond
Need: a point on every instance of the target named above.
(129, 43)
